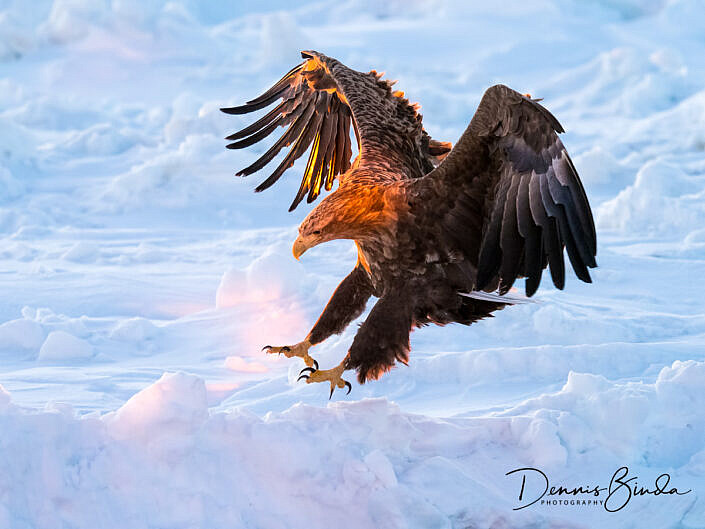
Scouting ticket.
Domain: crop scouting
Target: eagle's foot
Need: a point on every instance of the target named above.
(300, 349)
(334, 376)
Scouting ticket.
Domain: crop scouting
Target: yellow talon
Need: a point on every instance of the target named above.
(300, 350)
(334, 376)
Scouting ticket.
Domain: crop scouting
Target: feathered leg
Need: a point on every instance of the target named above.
(346, 304)
(382, 339)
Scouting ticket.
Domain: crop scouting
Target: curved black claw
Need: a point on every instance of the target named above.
(347, 385)
(266, 347)
(315, 364)
(303, 371)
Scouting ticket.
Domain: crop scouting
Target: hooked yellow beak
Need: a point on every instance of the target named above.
(300, 247)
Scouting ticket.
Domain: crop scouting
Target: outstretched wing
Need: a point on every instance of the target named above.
(314, 113)
(320, 98)
(509, 198)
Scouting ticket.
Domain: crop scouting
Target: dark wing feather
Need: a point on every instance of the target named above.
(310, 107)
(510, 174)
(299, 118)
(320, 100)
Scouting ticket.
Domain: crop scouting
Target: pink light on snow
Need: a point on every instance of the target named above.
(237, 363)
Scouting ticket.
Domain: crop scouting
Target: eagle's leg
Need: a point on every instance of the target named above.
(334, 376)
(346, 304)
(383, 338)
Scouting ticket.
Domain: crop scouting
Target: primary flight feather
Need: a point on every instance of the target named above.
(430, 223)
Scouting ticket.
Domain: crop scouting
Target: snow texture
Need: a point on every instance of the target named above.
(140, 279)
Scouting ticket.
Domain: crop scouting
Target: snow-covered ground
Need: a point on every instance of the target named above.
(140, 279)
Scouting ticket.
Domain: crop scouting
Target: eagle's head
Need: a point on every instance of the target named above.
(313, 231)
(346, 214)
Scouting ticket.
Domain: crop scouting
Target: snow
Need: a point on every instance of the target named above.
(20, 335)
(140, 279)
(136, 330)
(237, 363)
(314, 466)
(61, 346)
(662, 200)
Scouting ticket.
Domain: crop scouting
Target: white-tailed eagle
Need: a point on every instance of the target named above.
(430, 223)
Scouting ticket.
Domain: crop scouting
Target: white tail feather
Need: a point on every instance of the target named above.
(511, 298)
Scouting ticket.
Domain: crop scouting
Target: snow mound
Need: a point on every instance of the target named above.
(173, 179)
(270, 277)
(81, 252)
(659, 424)
(134, 330)
(101, 139)
(661, 200)
(237, 363)
(175, 405)
(357, 464)
(60, 346)
(21, 334)
(601, 172)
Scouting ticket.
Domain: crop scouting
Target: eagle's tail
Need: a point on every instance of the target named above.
(511, 298)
